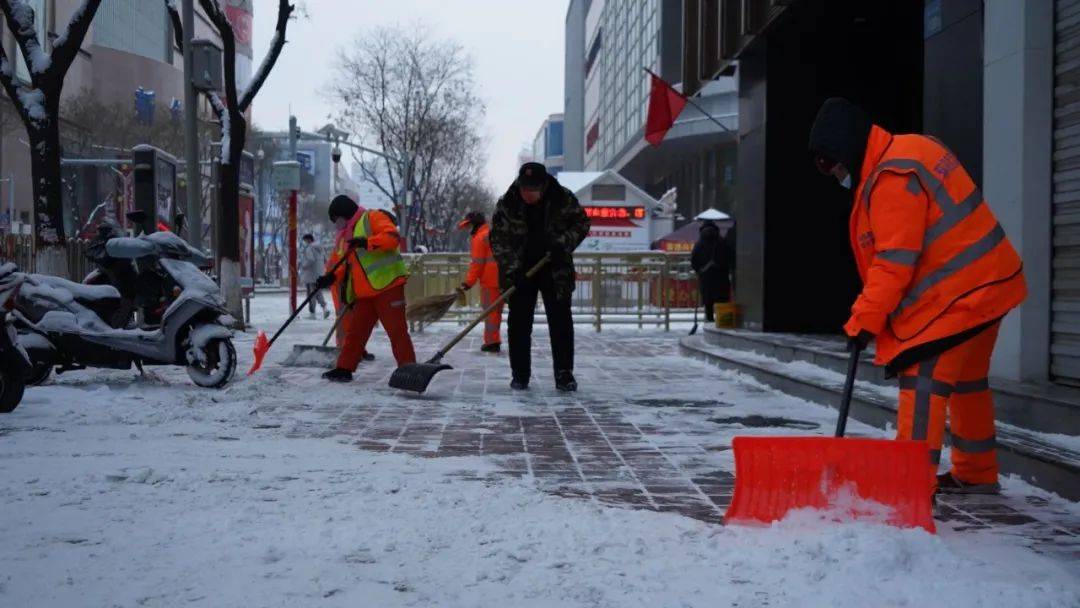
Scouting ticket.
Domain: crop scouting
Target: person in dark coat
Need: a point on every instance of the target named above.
(711, 260)
(538, 217)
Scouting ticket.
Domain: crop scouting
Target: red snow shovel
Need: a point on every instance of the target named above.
(774, 475)
(262, 345)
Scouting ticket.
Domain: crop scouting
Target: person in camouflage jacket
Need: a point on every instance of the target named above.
(538, 217)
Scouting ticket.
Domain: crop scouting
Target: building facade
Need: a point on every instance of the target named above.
(547, 147)
(609, 46)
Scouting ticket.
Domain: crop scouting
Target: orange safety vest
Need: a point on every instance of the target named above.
(352, 281)
(482, 267)
(933, 258)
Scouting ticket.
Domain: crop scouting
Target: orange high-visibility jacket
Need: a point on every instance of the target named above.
(482, 267)
(933, 259)
(384, 237)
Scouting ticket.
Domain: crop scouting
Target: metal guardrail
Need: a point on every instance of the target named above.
(19, 248)
(648, 288)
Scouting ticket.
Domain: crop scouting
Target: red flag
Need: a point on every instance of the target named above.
(665, 104)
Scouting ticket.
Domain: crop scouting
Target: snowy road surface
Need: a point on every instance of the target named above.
(282, 490)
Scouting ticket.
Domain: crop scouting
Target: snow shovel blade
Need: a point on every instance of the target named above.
(310, 355)
(882, 479)
(415, 376)
(262, 345)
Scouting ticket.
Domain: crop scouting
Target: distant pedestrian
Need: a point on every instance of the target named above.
(310, 263)
(711, 260)
(537, 217)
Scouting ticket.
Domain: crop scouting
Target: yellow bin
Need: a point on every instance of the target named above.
(725, 314)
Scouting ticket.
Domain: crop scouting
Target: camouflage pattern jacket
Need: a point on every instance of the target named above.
(566, 226)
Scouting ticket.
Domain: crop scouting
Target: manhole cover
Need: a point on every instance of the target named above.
(756, 421)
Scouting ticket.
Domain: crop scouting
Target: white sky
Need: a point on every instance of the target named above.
(516, 46)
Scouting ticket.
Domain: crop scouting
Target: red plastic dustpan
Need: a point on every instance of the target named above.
(262, 345)
(886, 480)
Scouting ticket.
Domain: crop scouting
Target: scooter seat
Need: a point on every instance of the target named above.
(42, 293)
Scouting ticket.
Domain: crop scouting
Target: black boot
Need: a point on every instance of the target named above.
(338, 375)
(948, 484)
(564, 381)
(494, 347)
(519, 384)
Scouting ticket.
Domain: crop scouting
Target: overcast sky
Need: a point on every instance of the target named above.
(516, 46)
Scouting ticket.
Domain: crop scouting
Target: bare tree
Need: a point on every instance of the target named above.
(38, 105)
(230, 113)
(413, 97)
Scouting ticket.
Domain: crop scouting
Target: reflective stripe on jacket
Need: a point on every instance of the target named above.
(933, 259)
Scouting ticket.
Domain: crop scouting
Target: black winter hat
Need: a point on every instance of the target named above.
(840, 132)
(532, 175)
(342, 206)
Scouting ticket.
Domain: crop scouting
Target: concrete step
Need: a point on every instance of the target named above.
(1041, 408)
(1049, 461)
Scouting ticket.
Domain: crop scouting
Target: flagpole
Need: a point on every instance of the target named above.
(691, 102)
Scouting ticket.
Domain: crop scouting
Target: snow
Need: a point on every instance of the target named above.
(63, 292)
(34, 102)
(124, 491)
(203, 334)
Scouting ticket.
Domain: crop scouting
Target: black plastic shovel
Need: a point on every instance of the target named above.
(417, 376)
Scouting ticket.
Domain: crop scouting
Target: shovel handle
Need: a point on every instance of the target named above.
(498, 302)
(849, 388)
(306, 301)
(341, 315)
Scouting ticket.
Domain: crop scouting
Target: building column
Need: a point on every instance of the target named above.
(1018, 89)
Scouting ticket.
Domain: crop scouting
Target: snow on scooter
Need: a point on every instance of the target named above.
(14, 362)
(73, 326)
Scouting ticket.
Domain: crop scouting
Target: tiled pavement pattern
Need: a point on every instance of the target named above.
(648, 430)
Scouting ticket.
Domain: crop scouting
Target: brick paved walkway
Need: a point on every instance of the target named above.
(648, 430)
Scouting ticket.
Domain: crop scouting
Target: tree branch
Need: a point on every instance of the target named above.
(228, 43)
(12, 87)
(20, 20)
(67, 44)
(284, 12)
(177, 24)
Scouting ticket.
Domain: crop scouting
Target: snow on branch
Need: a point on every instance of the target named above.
(284, 12)
(67, 44)
(20, 20)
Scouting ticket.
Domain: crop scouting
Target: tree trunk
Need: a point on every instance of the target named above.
(51, 253)
(228, 229)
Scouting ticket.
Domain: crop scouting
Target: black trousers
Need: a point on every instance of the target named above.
(520, 326)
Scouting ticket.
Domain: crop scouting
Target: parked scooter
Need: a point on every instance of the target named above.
(14, 362)
(70, 326)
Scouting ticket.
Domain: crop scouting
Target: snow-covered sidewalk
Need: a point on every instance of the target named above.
(283, 490)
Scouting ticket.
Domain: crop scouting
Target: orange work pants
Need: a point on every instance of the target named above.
(954, 382)
(494, 320)
(387, 308)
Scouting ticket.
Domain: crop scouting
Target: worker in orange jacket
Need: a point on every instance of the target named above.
(483, 270)
(938, 276)
(371, 283)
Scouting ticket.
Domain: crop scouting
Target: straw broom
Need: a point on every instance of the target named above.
(430, 309)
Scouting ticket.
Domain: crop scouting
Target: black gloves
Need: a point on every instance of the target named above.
(861, 341)
(462, 288)
(358, 243)
(324, 281)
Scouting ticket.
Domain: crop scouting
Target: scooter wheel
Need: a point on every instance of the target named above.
(11, 392)
(219, 367)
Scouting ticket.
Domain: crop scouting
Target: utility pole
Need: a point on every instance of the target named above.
(193, 170)
(292, 236)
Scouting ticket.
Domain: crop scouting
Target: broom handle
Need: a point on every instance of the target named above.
(345, 310)
(498, 302)
(307, 300)
(849, 388)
